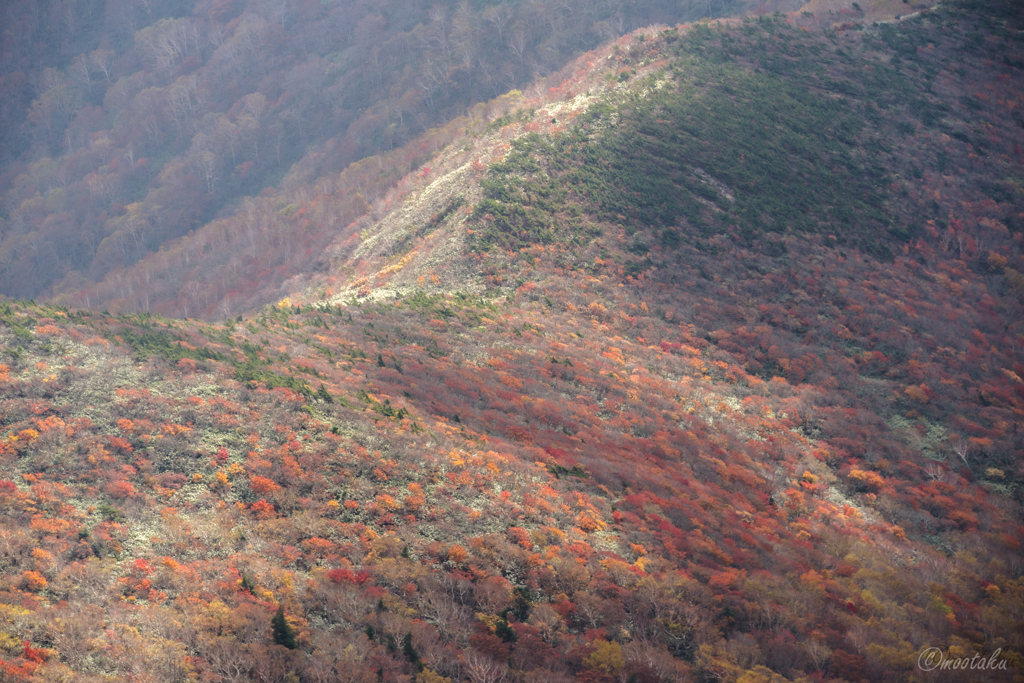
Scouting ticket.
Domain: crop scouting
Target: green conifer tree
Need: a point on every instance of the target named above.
(284, 634)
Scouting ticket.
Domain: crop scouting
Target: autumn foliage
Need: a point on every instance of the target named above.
(738, 457)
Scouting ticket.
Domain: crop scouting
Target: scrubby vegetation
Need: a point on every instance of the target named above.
(729, 424)
(749, 129)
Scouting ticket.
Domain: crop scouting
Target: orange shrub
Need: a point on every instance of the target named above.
(589, 521)
(866, 481)
(457, 554)
(521, 537)
(120, 489)
(49, 526)
(262, 485)
(263, 510)
(33, 581)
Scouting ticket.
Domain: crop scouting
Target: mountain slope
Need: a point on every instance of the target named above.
(764, 130)
(535, 420)
(127, 125)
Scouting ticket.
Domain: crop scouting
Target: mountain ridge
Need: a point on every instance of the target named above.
(181, 110)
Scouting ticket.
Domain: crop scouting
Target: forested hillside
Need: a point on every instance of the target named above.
(127, 124)
(700, 360)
